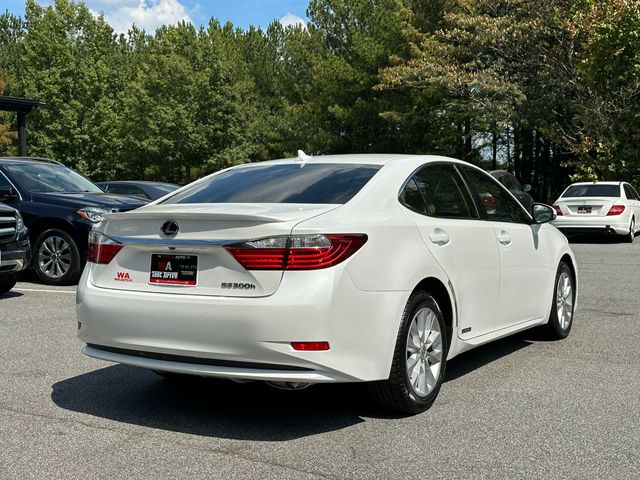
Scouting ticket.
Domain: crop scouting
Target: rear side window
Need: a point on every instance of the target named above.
(630, 192)
(594, 190)
(322, 183)
(127, 190)
(412, 198)
(438, 191)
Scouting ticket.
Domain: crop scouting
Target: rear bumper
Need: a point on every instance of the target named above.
(248, 338)
(605, 225)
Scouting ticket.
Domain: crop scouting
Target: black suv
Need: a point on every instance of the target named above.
(15, 251)
(59, 207)
(510, 181)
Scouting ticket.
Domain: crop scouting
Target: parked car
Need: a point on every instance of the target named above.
(146, 190)
(512, 184)
(59, 207)
(348, 268)
(599, 207)
(15, 251)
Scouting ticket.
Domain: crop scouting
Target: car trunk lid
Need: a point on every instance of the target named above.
(202, 232)
(586, 206)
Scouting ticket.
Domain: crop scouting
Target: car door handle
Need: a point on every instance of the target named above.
(504, 238)
(439, 237)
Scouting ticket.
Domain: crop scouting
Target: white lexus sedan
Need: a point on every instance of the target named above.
(599, 207)
(350, 268)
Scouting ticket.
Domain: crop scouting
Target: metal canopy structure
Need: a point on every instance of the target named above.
(22, 107)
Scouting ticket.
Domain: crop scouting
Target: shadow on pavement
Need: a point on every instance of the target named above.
(253, 411)
(489, 353)
(595, 239)
(11, 294)
(210, 407)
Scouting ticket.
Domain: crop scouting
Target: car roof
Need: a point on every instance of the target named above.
(597, 183)
(359, 159)
(22, 160)
(134, 182)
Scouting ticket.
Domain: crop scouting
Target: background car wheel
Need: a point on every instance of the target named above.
(419, 359)
(56, 258)
(7, 282)
(562, 306)
(632, 232)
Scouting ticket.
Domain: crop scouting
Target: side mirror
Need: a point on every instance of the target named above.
(543, 213)
(8, 194)
(527, 188)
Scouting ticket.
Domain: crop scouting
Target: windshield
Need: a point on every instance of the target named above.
(595, 190)
(49, 178)
(320, 183)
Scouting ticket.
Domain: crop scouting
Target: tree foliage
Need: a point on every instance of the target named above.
(547, 88)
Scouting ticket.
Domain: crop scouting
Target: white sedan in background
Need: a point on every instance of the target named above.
(352, 268)
(599, 207)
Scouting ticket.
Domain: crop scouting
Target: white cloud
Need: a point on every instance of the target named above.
(291, 20)
(146, 14)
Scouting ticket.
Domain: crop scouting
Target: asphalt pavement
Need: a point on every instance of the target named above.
(522, 407)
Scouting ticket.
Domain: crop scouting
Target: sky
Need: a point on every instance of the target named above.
(150, 14)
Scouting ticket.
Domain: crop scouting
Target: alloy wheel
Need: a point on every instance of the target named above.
(424, 352)
(564, 300)
(54, 257)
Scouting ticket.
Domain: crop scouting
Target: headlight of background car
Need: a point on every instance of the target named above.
(93, 214)
(19, 221)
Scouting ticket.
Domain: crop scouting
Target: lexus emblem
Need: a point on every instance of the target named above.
(170, 228)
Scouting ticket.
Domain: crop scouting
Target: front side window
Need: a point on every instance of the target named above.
(49, 178)
(495, 203)
(319, 183)
(437, 190)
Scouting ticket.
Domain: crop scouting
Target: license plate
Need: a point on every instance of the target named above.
(174, 269)
(584, 209)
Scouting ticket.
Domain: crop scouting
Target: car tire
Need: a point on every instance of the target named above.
(562, 304)
(7, 282)
(56, 258)
(409, 390)
(628, 238)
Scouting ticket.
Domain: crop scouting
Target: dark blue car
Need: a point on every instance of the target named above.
(59, 207)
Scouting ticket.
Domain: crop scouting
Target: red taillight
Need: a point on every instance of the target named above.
(260, 258)
(101, 248)
(557, 209)
(488, 199)
(310, 346)
(616, 210)
(296, 252)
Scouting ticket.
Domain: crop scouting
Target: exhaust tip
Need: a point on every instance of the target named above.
(289, 385)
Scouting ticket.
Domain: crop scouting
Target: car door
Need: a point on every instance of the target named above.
(463, 245)
(636, 197)
(633, 201)
(525, 260)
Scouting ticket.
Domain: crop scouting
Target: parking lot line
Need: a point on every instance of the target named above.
(17, 289)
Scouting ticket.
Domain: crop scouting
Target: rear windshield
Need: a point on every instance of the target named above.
(592, 191)
(281, 183)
